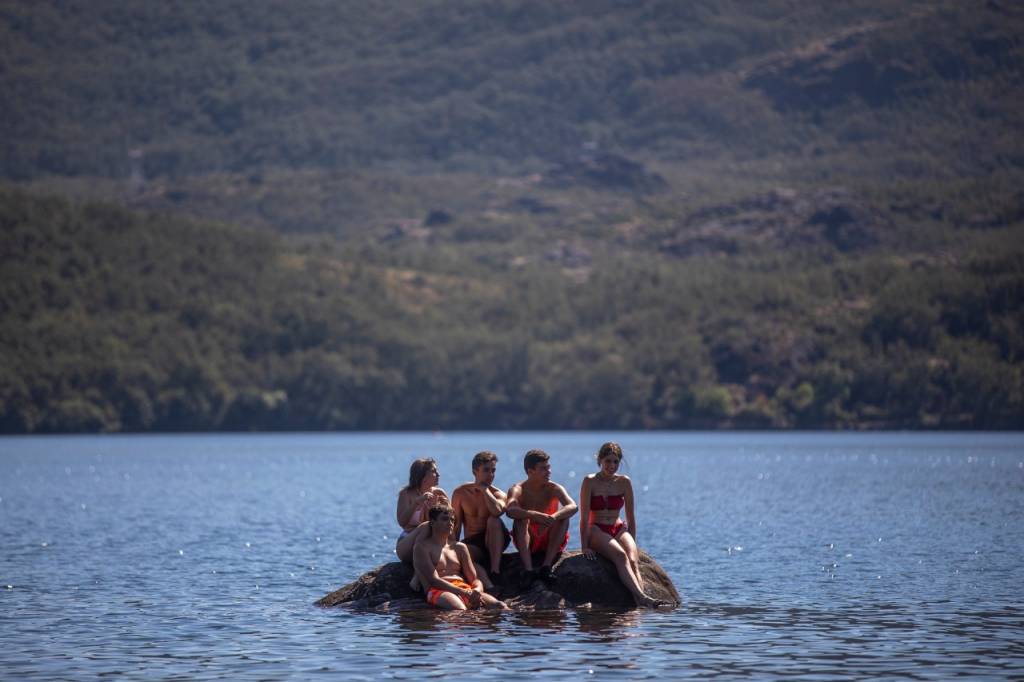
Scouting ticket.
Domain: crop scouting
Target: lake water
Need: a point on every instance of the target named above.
(820, 555)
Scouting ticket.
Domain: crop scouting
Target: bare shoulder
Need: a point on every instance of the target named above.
(555, 488)
(423, 547)
(497, 492)
(462, 490)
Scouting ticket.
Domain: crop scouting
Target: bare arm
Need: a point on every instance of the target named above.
(469, 574)
(495, 501)
(513, 508)
(568, 504)
(630, 515)
(407, 503)
(457, 508)
(440, 496)
(585, 516)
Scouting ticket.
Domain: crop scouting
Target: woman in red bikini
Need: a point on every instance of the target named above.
(602, 495)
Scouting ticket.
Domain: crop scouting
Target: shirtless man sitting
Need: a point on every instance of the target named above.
(540, 527)
(478, 508)
(445, 568)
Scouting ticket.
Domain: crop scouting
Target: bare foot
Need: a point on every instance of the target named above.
(651, 603)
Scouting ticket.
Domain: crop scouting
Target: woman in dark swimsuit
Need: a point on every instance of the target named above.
(602, 495)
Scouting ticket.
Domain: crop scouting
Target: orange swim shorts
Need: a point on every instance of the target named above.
(433, 593)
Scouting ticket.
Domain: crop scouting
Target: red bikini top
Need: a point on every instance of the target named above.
(602, 502)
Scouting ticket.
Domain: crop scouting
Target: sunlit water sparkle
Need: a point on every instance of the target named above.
(819, 555)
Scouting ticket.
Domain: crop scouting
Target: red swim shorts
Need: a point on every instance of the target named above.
(539, 537)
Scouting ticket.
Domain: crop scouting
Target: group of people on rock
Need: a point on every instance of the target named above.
(460, 575)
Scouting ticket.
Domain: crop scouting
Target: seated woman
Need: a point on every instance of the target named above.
(414, 503)
(602, 495)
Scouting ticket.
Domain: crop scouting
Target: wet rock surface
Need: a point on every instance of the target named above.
(575, 581)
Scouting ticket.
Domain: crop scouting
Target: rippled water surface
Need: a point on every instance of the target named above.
(825, 555)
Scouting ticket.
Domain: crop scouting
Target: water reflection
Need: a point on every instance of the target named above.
(608, 625)
(554, 620)
(415, 625)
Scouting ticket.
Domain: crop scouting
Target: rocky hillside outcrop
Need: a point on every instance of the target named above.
(779, 218)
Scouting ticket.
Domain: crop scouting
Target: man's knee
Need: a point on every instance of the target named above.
(559, 530)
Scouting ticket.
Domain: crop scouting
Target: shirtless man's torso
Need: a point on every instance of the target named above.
(540, 527)
(478, 508)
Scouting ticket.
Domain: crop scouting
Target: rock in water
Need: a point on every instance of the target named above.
(576, 581)
(580, 580)
(384, 583)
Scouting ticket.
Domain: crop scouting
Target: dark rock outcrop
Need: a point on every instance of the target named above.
(577, 582)
(782, 218)
(827, 72)
(880, 62)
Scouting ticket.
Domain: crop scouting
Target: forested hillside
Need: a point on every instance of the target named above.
(510, 214)
(119, 321)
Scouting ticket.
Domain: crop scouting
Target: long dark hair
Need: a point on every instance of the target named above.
(418, 470)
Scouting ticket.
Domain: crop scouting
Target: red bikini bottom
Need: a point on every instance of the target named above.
(612, 530)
